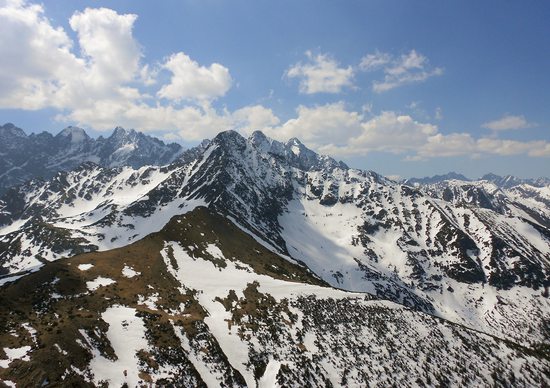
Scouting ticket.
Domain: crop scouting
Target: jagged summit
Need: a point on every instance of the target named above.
(436, 178)
(42, 155)
(10, 129)
(509, 181)
(74, 134)
(297, 154)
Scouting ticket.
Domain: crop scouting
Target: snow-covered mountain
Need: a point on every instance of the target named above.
(43, 155)
(505, 182)
(523, 200)
(471, 264)
(202, 304)
(434, 179)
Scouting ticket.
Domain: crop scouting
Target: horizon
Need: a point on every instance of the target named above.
(392, 177)
(418, 89)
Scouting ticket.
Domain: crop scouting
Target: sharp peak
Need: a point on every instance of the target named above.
(294, 141)
(12, 128)
(228, 133)
(119, 129)
(71, 129)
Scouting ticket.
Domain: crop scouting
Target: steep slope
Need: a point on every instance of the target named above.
(201, 303)
(42, 155)
(474, 265)
(523, 200)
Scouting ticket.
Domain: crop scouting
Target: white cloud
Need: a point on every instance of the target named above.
(101, 85)
(374, 61)
(252, 118)
(187, 122)
(320, 125)
(106, 41)
(98, 81)
(190, 81)
(36, 58)
(507, 122)
(440, 145)
(406, 69)
(321, 75)
(39, 68)
(332, 129)
(386, 132)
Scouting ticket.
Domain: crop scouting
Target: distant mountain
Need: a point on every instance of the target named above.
(434, 179)
(510, 181)
(505, 182)
(471, 261)
(43, 155)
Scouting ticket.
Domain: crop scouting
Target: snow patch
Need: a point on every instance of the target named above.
(15, 354)
(269, 378)
(129, 272)
(100, 281)
(127, 336)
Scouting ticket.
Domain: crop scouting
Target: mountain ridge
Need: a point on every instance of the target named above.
(354, 229)
(42, 155)
(507, 181)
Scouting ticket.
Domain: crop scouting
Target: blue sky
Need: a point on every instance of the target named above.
(409, 88)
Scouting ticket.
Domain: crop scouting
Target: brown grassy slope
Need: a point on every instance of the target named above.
(57, 304)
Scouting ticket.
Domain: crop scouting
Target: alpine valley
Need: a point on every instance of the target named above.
(252, 262)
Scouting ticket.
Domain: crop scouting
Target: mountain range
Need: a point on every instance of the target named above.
(253, 262)
(25, 157)
(505, 182)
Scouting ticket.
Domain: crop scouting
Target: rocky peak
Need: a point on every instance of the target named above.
(436, 179)
(73, 134)
(9, 129)
(295, 153)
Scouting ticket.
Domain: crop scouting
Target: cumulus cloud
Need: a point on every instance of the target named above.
(409, 68)
(37, 61)
(385, 132)
(335, 130)
(322, 74)
(40, 69)
(319, 125)
(507, 122)
(187, 122)
(190, 81)
(106, 41)
(98, 80)
(464, 144)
